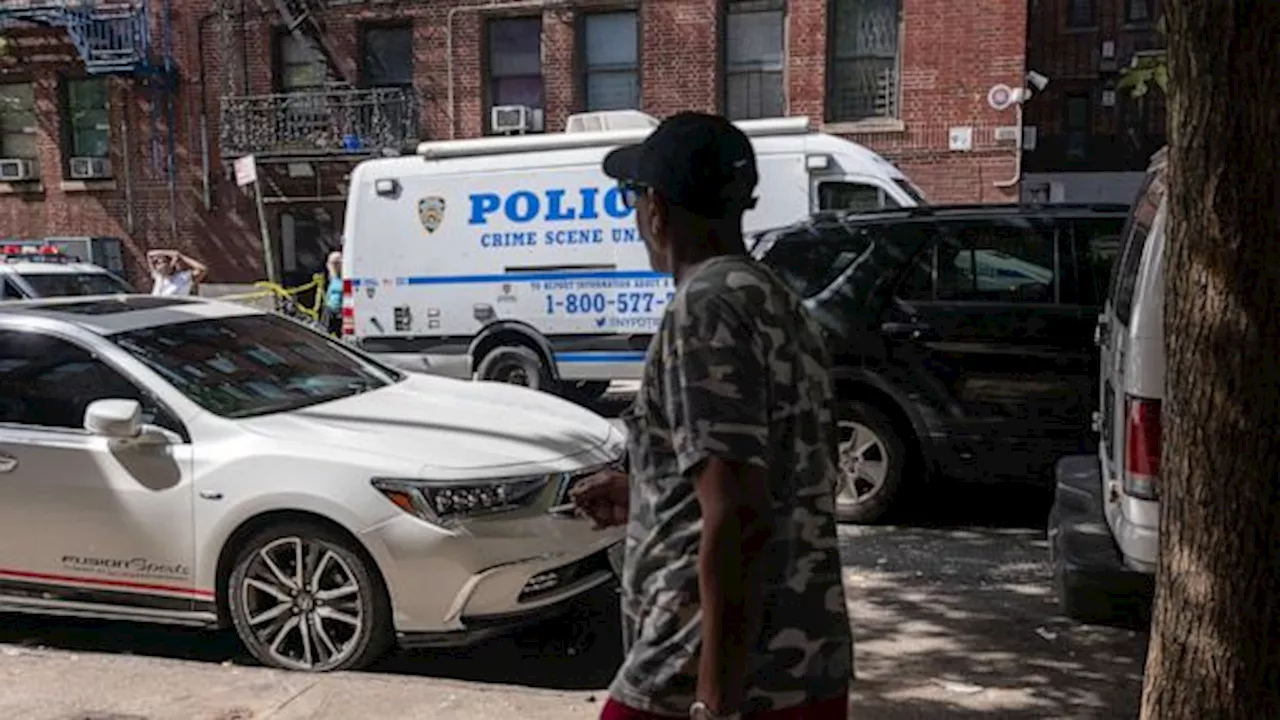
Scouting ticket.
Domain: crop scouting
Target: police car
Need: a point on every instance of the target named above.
(31, 270)
(516, 259)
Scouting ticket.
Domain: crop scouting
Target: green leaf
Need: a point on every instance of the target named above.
(1160, 75)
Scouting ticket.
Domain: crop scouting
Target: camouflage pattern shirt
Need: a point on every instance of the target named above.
(736, 371)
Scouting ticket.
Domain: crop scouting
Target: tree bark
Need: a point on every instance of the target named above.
(1215, 640)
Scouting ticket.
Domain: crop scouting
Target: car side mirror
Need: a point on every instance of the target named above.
(117, 419)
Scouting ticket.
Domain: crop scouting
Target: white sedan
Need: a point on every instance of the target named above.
(184, 461)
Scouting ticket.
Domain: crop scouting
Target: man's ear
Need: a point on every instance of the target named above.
(659, 214)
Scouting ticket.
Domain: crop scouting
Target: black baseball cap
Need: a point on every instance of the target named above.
(702, 163)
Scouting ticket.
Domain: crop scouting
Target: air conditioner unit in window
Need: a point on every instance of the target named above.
(515, 119)
(16, 170)
(90, 168)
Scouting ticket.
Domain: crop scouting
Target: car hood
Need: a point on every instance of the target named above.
(447, 424)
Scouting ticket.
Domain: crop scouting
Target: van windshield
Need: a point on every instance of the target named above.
(911, 190)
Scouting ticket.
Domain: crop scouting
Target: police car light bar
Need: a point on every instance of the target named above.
(475, 147)
(30, 253)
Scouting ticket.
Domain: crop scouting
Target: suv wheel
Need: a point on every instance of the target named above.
(872, 457)
(302, 598)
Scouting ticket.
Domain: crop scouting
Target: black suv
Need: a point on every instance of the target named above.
(961, 336)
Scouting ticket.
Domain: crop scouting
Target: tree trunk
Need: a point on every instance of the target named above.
(1215, 640)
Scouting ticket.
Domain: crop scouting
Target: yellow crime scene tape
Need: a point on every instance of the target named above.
(270, 289)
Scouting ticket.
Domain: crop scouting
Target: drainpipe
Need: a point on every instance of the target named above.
(1022, 96)
(204, 111)
(448, 40)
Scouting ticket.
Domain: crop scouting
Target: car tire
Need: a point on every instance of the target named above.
(339, 620)
(586, 391)
(517, 365)
(872, 464)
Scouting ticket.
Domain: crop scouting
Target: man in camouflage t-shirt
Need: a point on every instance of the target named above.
(732, 598)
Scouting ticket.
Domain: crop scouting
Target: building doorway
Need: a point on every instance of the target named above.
(307, 236)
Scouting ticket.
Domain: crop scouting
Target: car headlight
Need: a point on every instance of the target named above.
(444, 502)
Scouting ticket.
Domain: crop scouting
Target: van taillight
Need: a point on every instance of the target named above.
(348, 309)
(1141, 447)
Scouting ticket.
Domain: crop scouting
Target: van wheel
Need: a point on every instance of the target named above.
(872, 458)
(517, 365)
(586, 391)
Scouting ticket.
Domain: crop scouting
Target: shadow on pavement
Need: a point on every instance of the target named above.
(963, 623)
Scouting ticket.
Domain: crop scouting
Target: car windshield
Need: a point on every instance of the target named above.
(65, 284)
(254, 365)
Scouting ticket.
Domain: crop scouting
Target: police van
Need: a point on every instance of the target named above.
(516, 259)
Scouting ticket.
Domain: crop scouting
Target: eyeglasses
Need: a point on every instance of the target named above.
(631, 192)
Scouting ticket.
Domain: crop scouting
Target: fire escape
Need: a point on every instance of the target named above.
(114, 37)
(338, 122)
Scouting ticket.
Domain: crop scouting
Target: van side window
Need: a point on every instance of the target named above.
(855, 197)
(1125, 278)
(810, 259)
(1004, 261)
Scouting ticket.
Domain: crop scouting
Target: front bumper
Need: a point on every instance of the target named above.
(488, 576)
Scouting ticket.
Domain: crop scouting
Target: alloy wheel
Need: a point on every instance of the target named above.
(303, 603)
(864, 462)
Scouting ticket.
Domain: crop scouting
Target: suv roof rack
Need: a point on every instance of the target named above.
(966, 208)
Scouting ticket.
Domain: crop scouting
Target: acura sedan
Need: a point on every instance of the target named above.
(184, 461)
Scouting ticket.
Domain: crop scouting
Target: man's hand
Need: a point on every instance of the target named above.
(604, 497)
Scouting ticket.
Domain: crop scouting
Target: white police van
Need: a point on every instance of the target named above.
(516, 259)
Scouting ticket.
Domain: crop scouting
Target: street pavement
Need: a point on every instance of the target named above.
(952, 611)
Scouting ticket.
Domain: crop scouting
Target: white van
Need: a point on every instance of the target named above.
(1105, 523)
(515, 258)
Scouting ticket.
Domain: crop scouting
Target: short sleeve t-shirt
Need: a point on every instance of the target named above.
(738, 371)
(179, 283)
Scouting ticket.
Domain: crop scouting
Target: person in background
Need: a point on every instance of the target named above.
(733, 603)
(333, 293)
(173, 273)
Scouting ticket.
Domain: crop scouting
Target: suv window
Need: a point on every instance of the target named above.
(810, 259)
(856, 197)
(1005, 260)
(8, 291)
(49, 382)
(1125, 278)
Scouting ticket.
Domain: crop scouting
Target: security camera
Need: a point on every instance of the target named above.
(1036, 80)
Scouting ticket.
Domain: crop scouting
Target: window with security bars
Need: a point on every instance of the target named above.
(611, 61)
(88, 129)
(17, 120)
(755, 59)
(864, 59)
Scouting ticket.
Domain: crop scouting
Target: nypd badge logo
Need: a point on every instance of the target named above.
(431, 212)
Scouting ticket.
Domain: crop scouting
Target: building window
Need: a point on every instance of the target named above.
(515, 62)
(754, 58)
(17, 121)
(1077, 121)
(386, 56)
(1139, 11)
(1081, 13)
(865, 37)
(88, 128)
(302, 65)
(611, 61)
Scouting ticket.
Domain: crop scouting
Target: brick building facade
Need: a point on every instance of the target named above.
(896, 75)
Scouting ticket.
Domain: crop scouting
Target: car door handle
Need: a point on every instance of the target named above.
(8, 463)
(900, 329)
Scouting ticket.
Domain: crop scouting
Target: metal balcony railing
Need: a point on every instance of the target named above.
(333, 121)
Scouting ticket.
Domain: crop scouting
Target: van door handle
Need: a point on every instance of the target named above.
(908, 329)
(8, 463)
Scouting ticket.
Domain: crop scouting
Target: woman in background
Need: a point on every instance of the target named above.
(333, 294)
